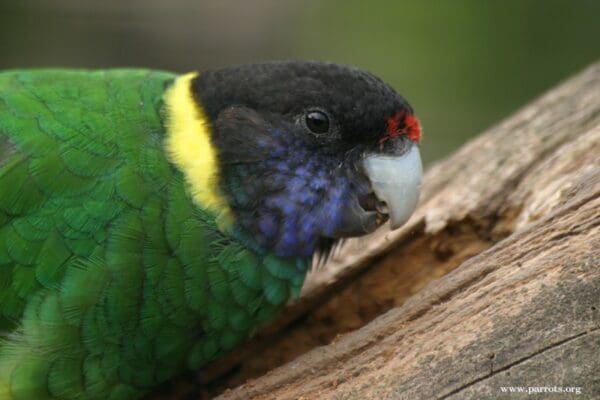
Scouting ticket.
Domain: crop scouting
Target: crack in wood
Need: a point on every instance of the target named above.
(518, 361)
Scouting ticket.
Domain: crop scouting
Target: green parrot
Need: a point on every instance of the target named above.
(150, 222)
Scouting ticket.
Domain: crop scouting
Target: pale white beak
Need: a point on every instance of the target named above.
(396, 182)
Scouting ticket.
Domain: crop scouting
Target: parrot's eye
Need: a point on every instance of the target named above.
(317, 122)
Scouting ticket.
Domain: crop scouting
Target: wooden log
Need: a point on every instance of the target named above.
(494, 283)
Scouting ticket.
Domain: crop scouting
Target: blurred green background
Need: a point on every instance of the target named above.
(462, 64)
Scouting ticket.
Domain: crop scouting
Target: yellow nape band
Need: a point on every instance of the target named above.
(189, 147)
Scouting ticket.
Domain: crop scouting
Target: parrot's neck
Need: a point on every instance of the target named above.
(189, 148)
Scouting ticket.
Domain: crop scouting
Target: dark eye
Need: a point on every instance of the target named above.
(317, 121)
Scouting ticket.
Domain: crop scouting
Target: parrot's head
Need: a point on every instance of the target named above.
(302, 153)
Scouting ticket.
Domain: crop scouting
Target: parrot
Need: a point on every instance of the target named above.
(151, 221)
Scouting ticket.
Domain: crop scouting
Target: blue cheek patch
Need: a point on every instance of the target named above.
(297, 196)
(268, 226)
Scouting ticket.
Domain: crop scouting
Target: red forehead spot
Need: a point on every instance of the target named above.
(404, 123)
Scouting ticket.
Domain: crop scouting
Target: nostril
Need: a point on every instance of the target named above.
(368, 202)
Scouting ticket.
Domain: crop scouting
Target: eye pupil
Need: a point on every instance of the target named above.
(317, 122)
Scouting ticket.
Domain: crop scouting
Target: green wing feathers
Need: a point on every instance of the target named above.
(64, 151)
(111, 280)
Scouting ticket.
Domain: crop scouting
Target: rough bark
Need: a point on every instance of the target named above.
(494, 282)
